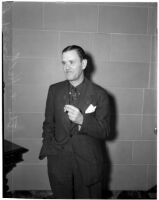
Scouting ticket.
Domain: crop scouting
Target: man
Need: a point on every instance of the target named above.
(76, 121)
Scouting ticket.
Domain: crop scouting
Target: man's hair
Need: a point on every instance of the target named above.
(81, 53)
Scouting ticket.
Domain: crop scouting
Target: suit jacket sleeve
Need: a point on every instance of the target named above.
(96, 124)
(48, 124)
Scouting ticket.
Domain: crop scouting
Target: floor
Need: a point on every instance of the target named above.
(150, 194)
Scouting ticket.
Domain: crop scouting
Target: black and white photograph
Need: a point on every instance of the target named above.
(79, 100)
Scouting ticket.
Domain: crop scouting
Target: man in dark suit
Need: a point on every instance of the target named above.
(76, 121)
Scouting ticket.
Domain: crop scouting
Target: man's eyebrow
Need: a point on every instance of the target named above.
(70, 60)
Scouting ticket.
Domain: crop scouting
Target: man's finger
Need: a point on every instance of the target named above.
(71, 108)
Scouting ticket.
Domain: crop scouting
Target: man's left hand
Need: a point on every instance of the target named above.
(74, 114)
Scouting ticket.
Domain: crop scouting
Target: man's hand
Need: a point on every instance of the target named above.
(74, 114)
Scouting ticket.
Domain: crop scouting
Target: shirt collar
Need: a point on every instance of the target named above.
(78, 87)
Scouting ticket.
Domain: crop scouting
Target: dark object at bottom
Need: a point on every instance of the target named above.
(133, 195)
(12, 154)
(47, 194)
(149, 194)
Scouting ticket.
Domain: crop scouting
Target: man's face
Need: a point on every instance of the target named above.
(73, 65)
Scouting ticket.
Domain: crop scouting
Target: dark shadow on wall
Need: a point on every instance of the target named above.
(89, 71)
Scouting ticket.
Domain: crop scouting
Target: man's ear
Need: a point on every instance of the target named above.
(84, 63)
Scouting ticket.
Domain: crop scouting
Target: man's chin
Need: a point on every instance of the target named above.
(69, 78)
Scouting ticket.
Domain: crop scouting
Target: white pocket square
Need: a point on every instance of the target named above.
(90, 109)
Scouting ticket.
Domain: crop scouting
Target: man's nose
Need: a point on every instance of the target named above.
(67, 66)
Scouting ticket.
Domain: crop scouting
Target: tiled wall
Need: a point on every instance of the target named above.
(122, 40)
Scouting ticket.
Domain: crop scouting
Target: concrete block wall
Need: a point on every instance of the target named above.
(122, 40)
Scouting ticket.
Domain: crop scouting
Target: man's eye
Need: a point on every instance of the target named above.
(71, 62)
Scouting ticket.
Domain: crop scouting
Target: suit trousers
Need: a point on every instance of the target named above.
(66, 181)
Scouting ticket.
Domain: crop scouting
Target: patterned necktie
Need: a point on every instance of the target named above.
(74, 94)
(73, 100)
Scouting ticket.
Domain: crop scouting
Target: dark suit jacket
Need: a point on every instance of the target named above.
(95, 128)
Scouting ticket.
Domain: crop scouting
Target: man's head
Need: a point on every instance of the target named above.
(74, 62)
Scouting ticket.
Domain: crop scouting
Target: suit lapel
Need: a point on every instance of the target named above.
(86, 96)
(64, 101)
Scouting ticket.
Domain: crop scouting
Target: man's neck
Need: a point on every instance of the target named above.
(77, 82)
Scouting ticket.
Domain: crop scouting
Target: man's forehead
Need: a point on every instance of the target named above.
(71, 55)
(71, 52)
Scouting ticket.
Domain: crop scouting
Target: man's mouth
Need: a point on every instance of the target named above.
(67, 72)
